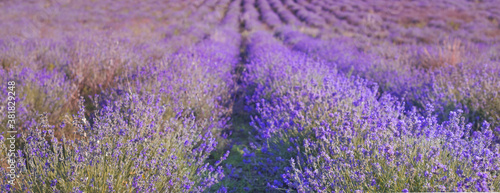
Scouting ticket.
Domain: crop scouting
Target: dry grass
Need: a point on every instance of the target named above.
(450, 53)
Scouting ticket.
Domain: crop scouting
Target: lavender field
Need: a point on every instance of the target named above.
(250, 96)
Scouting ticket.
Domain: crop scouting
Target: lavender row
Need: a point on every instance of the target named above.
(319, 10)
(304, 15)
(323, 131)
(413, 22)
(232, 14)
(267, 14)
(155, 134)
(451, 76)
(285, 14)
(250, 16)
(63, 61)
(155, 121)
(57, 70)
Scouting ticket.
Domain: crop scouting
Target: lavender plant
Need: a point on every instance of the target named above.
(37, 92)
(129, 146)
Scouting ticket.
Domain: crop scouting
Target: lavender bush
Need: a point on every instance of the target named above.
(51, 86)
(129, 146)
